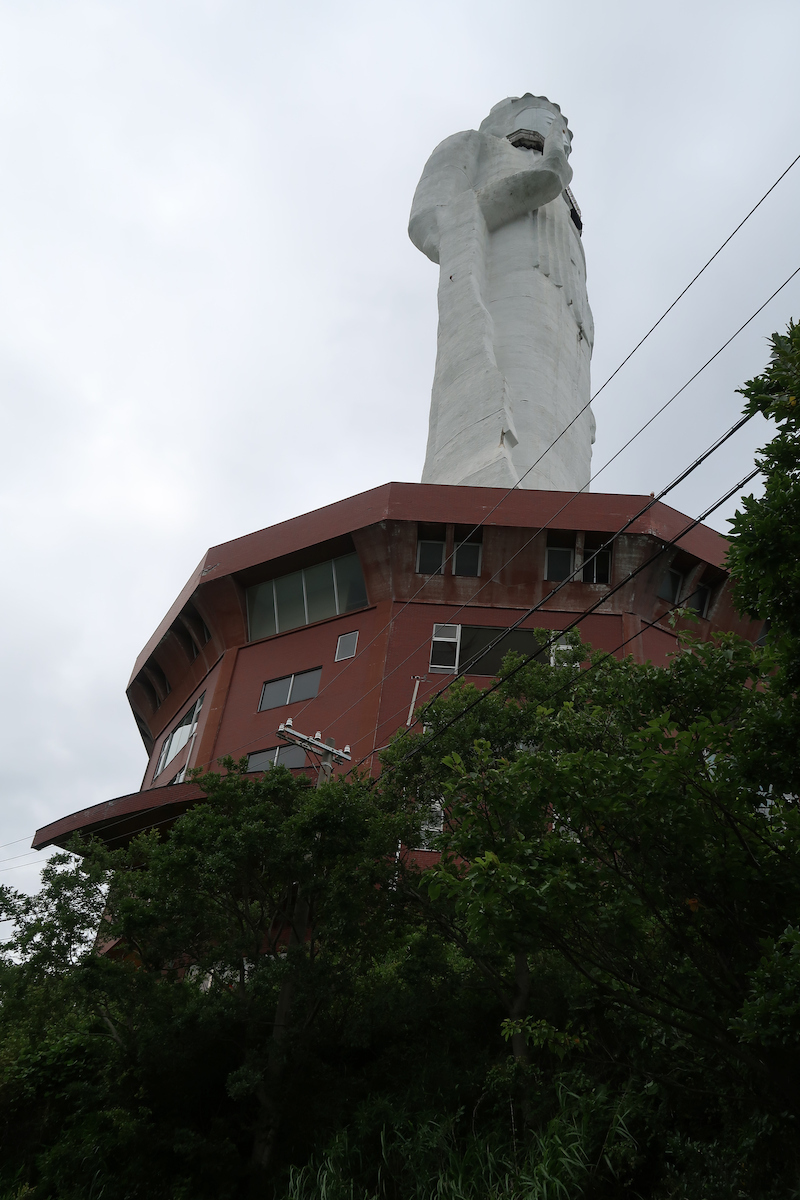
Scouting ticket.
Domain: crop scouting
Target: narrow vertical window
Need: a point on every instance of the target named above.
(444, 648)
(431, 542)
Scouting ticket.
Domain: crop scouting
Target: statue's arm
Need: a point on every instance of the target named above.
(511, 196)
(448, 171)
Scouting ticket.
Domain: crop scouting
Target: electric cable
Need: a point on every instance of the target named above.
(593, 397)
(548, 523)
(503, 631)
(577, 620)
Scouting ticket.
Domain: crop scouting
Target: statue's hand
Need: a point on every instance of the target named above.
(554, 154)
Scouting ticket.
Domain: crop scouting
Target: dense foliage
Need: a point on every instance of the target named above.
(594, 990)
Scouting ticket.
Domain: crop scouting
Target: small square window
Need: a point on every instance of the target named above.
(430, 558)
(558, 563)
(468, 559)
(346, 646)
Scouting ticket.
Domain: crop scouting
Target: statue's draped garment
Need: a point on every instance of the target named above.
(515, 328)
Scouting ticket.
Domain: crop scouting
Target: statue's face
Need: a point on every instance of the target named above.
(503, 120)
(539, 119)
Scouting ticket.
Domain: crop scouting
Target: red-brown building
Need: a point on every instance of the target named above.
(333, 617)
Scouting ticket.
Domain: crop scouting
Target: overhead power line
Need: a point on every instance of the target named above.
(581, 616)
(602, 387)
(572, 496)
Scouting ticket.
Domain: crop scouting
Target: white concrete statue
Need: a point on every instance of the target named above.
(515, 339)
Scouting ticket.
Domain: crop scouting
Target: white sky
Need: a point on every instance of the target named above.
(212, 319)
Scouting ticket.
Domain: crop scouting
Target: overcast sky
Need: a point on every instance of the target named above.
(212, 319)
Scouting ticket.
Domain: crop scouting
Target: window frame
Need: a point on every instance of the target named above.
(271, 584)
(164, 757)
(289, 699)
(275, 752)
(570, 550)
(345, 657)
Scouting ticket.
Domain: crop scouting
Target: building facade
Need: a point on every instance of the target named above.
(347, 618)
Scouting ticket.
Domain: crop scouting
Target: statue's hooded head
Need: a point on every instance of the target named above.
(533, 113)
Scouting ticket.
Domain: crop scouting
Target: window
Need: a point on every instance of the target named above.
(670, 586)
(346, 646)
(698, 601)
(431, 541)
(431, 826)
(179, 736)
(281, 756)
(559, 556)
(289, 689)
(313, 594)
(444, 647)
(464, 648)
(596, 562)
(467, 558)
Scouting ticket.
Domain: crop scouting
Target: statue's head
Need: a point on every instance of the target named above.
(531, 114)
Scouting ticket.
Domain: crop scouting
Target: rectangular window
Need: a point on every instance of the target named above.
(596, 560)
(282, 756)
(313, 594)
(559, 556)
(698, 601)
(346, 646)
(466, 648)
(320, 591)
(289, 689)
(596, 566)
(431, 541)
(444, 648)
(670, 586)
(350, 589)
(431, 826)
(179, 736)
(467, 558)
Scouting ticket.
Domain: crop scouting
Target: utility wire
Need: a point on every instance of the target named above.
(602, 387)
(548, 523)
(503, 631)
(614, 373)
(577, 620)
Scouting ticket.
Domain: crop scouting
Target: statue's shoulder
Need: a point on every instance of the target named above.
(469, 143)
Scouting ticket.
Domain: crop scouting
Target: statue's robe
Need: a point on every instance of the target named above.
(515, 328)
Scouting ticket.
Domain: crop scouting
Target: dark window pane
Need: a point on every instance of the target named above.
(474, 640)
(291, 756)
(346, 646)
(468, 559)
(262, 760)
(349, 583)
(260, 610)
(698, 601)
(670, 586)
(275, 693)
(559, 563)
(320, 598)
(597, 566)
(430, 556)
(289, 599)
(443, 654)
(305, 686)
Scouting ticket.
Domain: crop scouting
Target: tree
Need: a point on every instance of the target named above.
(621, 860)
(765, 551)
(231, 940)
